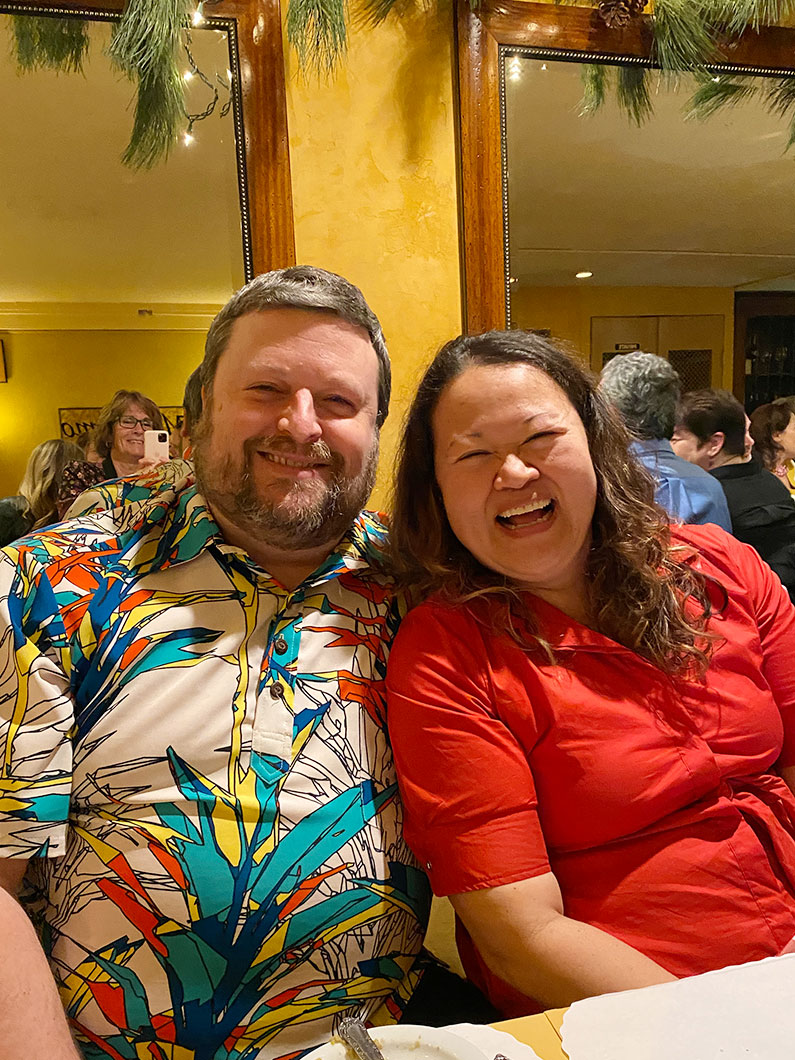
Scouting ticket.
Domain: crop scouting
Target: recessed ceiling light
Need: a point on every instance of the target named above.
(582, 275)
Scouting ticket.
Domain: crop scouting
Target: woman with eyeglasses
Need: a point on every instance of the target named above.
(119, 433)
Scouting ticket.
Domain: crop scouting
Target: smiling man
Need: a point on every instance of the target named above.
(197, 784)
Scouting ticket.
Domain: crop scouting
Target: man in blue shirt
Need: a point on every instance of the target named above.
(645, 389)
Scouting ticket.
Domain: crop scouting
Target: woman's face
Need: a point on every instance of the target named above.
(515, 472)
(786, 439)
(128, 441)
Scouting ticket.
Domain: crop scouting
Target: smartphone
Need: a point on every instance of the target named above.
(156, 446)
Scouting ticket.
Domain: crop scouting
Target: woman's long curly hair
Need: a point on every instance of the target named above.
(767, 420)
(641, 594)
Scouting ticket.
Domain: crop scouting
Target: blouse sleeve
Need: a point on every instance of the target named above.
(467, 788)
(775, 618)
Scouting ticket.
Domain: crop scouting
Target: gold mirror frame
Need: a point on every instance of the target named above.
(553, 31)
(266, 202)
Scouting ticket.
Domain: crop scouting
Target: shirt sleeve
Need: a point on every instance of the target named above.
(775, 618)
(36, 715)
(467, 788)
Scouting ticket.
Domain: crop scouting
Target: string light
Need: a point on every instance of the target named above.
(515, 68)
(197, 18)
(188, 75)
(188, 138)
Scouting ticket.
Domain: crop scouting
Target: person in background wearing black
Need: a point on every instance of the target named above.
(712, 431)
(35, 504)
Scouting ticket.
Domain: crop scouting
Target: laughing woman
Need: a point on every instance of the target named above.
(593, 712)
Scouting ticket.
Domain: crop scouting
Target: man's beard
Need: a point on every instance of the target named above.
(310, 514)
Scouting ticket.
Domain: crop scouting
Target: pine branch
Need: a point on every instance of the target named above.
(594, 88)
(714, 93)
(159, 115)
(781, 101)
(632, 93)
(683, 38)
(53, 43)
(149, 31)
(317, 30)
(733, 16)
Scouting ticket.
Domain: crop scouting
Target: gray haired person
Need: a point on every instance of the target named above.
(646, 389)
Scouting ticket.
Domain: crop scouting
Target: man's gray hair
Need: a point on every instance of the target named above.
(645, 389)
(299, 287)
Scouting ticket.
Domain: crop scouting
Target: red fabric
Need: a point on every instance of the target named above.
(654, 801)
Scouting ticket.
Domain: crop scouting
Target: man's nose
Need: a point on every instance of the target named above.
(514, 473)
(299, 418)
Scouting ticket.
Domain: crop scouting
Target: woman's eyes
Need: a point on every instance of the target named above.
(528, 441)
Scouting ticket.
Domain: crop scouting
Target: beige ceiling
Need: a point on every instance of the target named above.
(673, 203)
(76, 225)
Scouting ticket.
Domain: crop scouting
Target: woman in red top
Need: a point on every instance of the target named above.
(593, 713)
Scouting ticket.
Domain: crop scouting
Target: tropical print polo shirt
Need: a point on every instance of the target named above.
(197, 763)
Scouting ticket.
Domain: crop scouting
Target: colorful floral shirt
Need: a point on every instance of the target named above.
(197, 762)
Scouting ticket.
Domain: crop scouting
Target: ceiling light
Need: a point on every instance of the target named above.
(512, 279)
(582, 275)
(543, 66)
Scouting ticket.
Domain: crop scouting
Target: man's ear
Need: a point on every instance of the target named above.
(715, 444)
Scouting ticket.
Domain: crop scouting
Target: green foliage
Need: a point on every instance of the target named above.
(317, 29)
(734, 16)
(52, 43)
(683, 37)
(149, 35)
(716, 92)
(632, 93)
(159, 115)
(781, 101)
(594, 87)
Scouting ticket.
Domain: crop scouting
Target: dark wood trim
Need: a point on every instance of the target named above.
(264, 115)
(575, 29)
(480, 172)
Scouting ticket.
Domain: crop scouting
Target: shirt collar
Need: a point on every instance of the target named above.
(651, 445)
(177, 526)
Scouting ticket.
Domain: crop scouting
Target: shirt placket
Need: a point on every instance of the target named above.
(273, 721)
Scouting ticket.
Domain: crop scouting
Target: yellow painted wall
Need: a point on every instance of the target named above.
(49, 370)
(567, 311)
(373, 165)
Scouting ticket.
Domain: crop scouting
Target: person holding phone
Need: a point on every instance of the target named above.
(120, 430)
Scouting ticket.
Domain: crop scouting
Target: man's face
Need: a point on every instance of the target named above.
(685, 444)
(288, 445)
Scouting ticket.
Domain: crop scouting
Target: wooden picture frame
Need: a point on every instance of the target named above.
(264, 157)
(481, 40)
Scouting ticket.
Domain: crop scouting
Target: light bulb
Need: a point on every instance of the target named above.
(188, 139)
(188, 75)
(582, 275)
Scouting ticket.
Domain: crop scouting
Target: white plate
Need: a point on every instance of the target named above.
(407, 1042)
(491, 1041)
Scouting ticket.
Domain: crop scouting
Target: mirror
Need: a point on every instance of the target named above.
(674, 223)
(110, 277)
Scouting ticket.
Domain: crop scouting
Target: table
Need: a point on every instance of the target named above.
(541, 1032)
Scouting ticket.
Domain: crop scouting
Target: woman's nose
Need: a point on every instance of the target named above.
(299, 418)
(514, 473)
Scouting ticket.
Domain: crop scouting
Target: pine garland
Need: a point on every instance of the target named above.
(318, 30)
(54, 43)
(632, 93)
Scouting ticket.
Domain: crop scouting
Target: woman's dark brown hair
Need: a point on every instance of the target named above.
(637, 586)
(767, 420)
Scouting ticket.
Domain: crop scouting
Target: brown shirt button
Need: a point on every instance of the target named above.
(280, 645)
(276, 691)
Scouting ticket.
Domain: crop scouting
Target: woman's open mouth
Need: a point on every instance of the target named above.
(530, 514)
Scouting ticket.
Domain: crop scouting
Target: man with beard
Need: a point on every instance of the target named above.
(197, 785)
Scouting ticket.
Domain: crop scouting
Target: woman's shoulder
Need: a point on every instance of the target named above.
(708, 546)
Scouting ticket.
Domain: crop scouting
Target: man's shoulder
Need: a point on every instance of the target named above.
(104, 537)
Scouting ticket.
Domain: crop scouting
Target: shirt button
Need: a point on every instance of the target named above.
(276, 690)
(280, 645)
(428, 865)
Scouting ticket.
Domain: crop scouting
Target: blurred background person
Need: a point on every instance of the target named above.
(35, 504)
(645, 389)
(119, 433)
(85, 442)
(712, 431)
(773, 432)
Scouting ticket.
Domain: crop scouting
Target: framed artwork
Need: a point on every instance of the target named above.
(3, 372)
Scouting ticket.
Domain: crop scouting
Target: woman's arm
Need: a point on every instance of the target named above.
(524, 937)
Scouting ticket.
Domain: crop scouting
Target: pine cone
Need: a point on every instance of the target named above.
(616, 13)
(636, 7)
